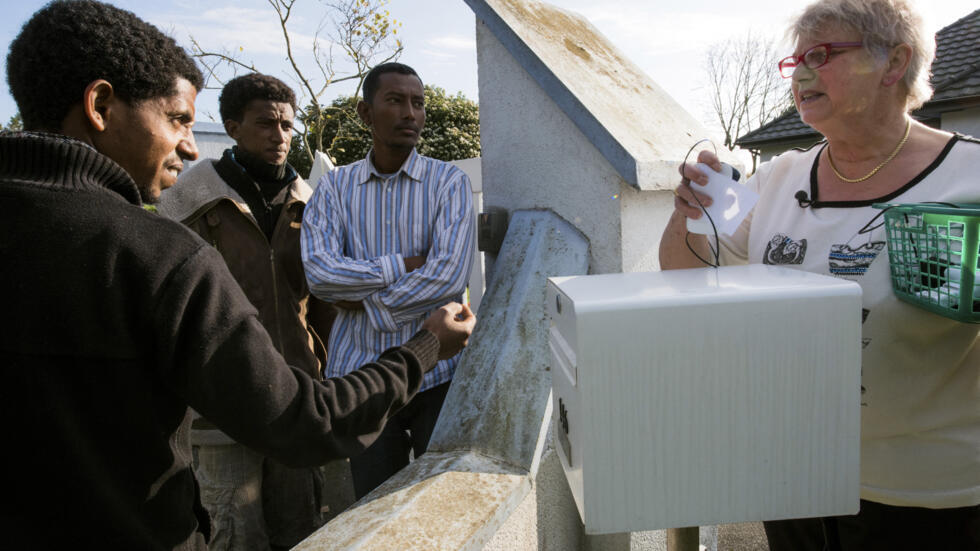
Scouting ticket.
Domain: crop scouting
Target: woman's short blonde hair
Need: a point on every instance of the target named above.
(882, 24)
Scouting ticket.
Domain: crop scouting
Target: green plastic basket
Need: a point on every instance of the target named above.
(933, 255)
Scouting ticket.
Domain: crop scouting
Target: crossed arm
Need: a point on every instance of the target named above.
(412, 263)
(392, 289)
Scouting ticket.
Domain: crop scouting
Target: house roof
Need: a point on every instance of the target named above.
(786, 127)
(205, 127)
(955, 77)
(956, 70)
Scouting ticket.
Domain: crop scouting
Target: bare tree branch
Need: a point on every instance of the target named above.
(361, 29)
(212, 61)
(746, 89)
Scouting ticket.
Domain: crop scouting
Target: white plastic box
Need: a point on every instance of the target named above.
(706, 396)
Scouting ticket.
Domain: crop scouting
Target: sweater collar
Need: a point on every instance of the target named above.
(262, 172)
(53, 160)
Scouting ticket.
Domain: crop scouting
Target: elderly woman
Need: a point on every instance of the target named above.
(859, 68)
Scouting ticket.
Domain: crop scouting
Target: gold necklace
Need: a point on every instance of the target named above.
(898, 148)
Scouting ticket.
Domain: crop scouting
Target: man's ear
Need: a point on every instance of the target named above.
(232, 128)
(98, 103)
(364, 111)
(898, 63)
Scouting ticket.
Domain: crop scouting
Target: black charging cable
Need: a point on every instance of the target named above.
(687, 237)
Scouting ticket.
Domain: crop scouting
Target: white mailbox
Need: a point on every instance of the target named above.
(706, 396)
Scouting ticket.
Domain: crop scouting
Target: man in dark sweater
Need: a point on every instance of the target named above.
(249, 205)
(118, 319)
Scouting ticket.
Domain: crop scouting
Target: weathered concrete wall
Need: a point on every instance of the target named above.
(451, 501)
(538, 524)
(535, 157)
(569, 123)
(498, 402)
(640, 130)
(644, 215)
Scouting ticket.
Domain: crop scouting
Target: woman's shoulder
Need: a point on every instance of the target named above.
(958, 149)
(966, 141)
(942, 141)
(797, 161)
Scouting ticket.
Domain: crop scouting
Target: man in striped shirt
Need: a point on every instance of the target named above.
(389, 239)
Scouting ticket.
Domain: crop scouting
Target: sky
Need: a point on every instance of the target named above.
(667, 39)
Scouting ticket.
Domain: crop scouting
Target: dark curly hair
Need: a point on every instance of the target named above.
(374, 75)
(239, 91)
(67, 44)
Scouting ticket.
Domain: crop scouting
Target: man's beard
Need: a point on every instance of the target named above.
(146, 195)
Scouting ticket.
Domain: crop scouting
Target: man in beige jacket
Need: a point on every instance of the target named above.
(249, 205)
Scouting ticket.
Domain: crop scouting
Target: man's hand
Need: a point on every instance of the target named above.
(452, 324)
(413, 263)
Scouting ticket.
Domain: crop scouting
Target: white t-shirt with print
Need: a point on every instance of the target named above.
(920, 422)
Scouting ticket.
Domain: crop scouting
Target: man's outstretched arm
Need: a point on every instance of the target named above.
(215, 353)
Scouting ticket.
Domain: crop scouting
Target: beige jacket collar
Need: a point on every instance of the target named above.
(201, 186)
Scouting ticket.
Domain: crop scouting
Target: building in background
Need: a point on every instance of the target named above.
(211, 140)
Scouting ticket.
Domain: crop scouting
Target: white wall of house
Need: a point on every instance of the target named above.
(211, 140)
(966, 122)
(770, 151)
(535, 157)
(477, 283)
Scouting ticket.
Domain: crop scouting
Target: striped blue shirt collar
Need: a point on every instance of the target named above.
(411, 167)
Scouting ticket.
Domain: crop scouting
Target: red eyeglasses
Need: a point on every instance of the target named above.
(815, 57)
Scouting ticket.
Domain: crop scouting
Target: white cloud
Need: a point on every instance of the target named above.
(437, 54)
(256, 31)
(453, 42)
(648, 31)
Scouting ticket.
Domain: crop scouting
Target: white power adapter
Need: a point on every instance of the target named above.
(730, 202)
